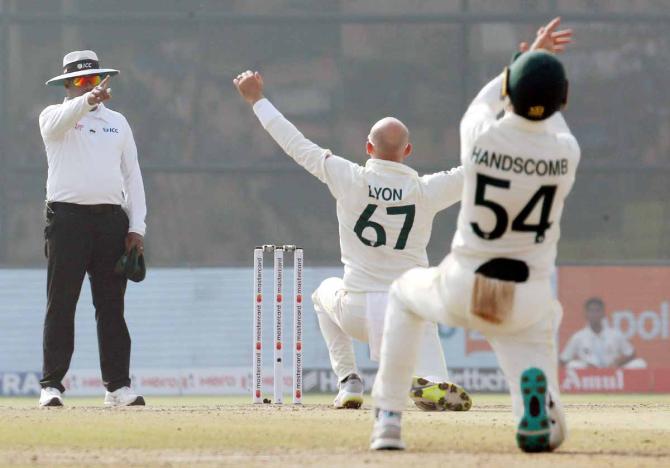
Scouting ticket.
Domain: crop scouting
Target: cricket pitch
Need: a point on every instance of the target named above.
(621, 430)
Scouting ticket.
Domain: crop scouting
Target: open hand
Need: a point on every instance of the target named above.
(100, 93)
(250, 86)
(549, 39)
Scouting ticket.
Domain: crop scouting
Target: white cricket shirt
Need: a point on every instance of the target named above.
(92, 158)
(385, 210)
(517, 176)
(597, 349)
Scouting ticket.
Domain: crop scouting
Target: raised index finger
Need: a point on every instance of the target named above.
(553, 24)
(103, 84)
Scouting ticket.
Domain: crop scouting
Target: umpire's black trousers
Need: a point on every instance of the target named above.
(81, 239)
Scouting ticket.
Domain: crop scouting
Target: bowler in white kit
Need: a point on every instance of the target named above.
(518, 171)
(385, 212)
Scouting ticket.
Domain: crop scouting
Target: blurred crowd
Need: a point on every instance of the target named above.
(216, 183)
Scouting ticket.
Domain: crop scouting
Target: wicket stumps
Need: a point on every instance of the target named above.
(278, 351)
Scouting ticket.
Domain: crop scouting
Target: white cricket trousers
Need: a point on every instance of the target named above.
(342, 316)
(443, 294)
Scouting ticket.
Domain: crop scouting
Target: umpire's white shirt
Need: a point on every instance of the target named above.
(385, 210)
(92, 158)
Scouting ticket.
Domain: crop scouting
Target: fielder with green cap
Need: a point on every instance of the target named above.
(518, 171)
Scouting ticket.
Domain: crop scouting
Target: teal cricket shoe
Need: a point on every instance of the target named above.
(534, 431)
(439, 396)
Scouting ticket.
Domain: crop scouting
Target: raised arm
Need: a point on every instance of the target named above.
(56, 120)
(483, 110)
(444, 189)
(552, 40)
(336, 172)
(489, 102)
(303, 151)
(549, 38)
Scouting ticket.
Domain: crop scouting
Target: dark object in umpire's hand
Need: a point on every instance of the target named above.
(132, 266)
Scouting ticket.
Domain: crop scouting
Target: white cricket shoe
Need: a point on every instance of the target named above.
(559, 429)
(51, 396)
(350, 395)
(386, 431)
(124, 396)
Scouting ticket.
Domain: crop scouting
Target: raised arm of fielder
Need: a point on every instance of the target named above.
(551, 40)
(490, 101)
(444, 188)
(336, 172)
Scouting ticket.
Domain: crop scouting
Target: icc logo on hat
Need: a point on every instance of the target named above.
(80, 63)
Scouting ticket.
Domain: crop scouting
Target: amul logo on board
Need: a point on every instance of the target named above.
(601, 381)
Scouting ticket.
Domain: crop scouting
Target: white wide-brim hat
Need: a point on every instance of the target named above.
(80, 63)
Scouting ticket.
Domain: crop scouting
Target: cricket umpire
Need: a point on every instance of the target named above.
(95, 212)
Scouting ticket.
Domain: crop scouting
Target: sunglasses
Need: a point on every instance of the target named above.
(81, 81)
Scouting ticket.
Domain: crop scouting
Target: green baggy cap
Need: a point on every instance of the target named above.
(536, 84)
(132, 266)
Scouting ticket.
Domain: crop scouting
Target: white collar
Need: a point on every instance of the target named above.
(510, 118)
(99, 111)
(390, 166)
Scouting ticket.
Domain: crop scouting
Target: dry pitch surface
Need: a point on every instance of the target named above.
(613, 431)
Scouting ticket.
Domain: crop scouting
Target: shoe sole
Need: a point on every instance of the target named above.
(139, 401)
(387, 444)
(533, 432)
(440, 396)
(350, 402)
(53, 402)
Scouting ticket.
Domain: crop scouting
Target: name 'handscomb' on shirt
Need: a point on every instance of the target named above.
(519, 165)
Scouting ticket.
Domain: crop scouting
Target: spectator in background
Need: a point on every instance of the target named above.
(598, 344)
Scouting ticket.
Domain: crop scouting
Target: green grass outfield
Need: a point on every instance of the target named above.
(605, 430)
